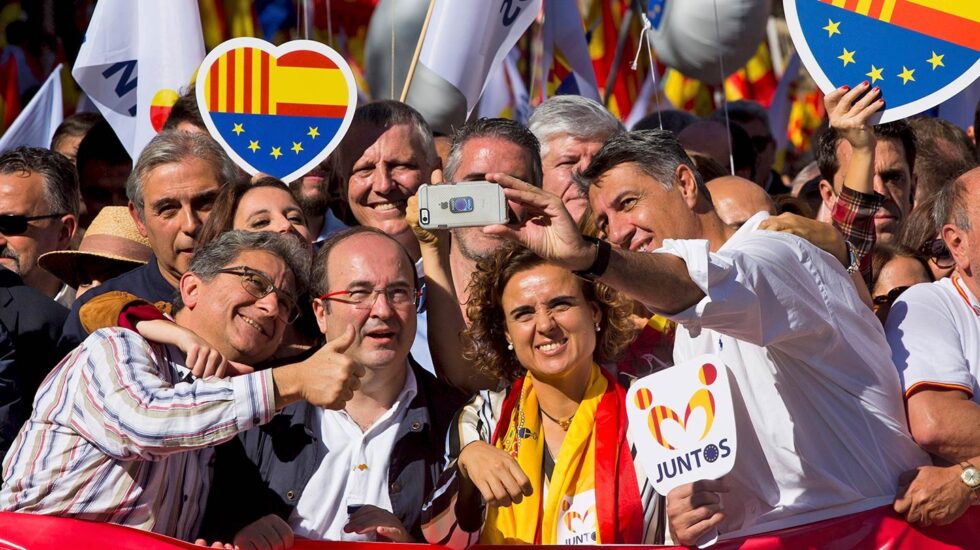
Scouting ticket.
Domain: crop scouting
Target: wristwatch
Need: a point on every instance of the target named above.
(601, 262)
(970, 476)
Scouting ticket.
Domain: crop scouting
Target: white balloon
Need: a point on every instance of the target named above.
(690, 43)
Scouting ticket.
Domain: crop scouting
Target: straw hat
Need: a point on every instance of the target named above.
(111, 245)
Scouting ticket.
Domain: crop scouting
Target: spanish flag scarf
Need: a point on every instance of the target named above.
(595, 456)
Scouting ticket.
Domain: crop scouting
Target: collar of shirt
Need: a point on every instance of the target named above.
(393, 415)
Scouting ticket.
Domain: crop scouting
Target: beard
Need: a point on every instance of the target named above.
(469, 249)
(8, 254)
(314, 206)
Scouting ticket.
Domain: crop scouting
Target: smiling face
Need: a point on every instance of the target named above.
(635, 212)
(385, 332)
(550, 323)
(242, 327)
(177, 200)
(564, 155)
(389, 170)
(270, 208)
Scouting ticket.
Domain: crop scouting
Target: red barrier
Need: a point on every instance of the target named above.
(877, 529)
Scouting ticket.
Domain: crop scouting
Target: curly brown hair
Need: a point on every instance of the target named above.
(484, 342)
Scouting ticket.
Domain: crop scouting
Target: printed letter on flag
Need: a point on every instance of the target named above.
(466, 40)
(124, 36)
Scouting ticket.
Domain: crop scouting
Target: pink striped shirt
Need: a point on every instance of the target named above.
(122, 433)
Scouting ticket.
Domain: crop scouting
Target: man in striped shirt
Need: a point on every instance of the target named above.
(122, 432)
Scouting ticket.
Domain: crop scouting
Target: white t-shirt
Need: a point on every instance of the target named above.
(354, 471)
(819, 413)
(935, 337)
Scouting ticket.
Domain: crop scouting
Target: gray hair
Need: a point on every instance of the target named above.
(174, 147)
(742, 111)
(61, 188)
(217, 254)
(573, 115)
(501, 128)
(656, 153)
(387, 113)
(951, 203)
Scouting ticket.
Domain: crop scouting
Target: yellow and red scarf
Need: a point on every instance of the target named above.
(595, 456)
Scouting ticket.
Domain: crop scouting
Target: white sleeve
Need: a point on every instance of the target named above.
(925, 341)
(766, 289)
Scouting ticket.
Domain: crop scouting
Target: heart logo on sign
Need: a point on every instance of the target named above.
(659, 415)
(277, 110)
(919, 52)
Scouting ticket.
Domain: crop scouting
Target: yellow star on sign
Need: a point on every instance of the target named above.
(846, 57)
(297, 147)
(875, 74)
(906, 75)
(832, 28)
(314, 132)
(238, 129)
(253, 145)
(276, 152)
(936, 60)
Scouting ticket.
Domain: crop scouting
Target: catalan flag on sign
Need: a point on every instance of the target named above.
(919, 52)
(276, 113)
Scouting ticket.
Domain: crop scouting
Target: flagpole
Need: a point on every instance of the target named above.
(418, 51)
(624, 31)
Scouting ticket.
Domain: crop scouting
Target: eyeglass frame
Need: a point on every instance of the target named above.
(887, 298)
(244, 272)
(367, 303)
(929, 250)
(26, 221)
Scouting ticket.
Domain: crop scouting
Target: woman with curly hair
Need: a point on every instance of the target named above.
(549, 454)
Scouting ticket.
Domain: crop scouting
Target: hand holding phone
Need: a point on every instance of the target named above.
(465, 204)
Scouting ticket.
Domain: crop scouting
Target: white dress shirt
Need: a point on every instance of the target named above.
(354, 471)
(819, 412)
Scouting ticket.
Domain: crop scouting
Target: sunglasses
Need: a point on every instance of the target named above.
(12, 224)
(887, 299)
(935, 249)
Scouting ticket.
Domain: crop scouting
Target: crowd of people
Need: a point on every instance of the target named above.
(231, 360)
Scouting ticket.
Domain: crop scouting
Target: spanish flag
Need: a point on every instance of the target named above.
(955, 21)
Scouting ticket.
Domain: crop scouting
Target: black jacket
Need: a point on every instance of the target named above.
(266, 470)
(30, 326)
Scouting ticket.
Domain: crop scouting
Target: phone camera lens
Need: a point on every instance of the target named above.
(459, 205)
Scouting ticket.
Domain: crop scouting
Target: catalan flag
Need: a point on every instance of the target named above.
(756, 81)
(919, 52)
(603, 23)
(276, 113)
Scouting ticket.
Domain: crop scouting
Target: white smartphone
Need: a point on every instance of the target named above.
(464, 204)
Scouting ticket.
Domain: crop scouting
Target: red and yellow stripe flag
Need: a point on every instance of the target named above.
(956, 21)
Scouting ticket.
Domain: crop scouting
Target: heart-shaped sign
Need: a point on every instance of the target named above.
(279, 110)
(677, 448)
(919, 52)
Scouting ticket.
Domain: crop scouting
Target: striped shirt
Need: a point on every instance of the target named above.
(122, 433)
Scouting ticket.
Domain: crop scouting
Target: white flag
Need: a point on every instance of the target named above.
(137, 56)
(467, 40)
(563, 31)
(506, 95)
(35, 125)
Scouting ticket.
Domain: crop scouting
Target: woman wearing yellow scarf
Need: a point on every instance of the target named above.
(550, 456)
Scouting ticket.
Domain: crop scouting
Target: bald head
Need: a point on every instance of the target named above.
(708, 138)
(738, 199)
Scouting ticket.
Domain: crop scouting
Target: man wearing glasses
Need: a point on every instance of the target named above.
(39, 202)
(934, 333)
(361, 473)
(124, 433)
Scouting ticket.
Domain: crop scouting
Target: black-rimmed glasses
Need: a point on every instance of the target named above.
(259, 286)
